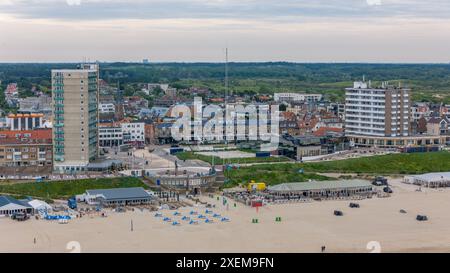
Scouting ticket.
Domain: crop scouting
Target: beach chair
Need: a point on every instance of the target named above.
(208, 211)
(176, 213)
(158, 215)
(167, 219)
(185, 218)
(193, 212)
(192, 222)
(201, 217)
(208, 221)
(216, 215)
(224, 219)
(175, 224)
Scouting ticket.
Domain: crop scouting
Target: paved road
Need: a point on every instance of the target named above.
(158, 159)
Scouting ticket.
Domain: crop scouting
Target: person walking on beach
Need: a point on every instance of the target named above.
(323, 249)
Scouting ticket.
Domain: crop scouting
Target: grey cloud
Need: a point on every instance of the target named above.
(295, 10)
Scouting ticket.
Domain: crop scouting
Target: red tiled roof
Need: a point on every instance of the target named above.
(26, 137)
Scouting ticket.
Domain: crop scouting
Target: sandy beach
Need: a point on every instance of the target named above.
(304, 228)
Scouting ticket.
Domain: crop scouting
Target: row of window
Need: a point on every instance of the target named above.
(25, 150)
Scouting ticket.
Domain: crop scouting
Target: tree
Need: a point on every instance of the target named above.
(129, 91)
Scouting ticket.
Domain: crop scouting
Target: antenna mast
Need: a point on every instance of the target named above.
(226, 75)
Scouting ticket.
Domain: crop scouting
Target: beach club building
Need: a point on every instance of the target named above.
(429, 180)
(117, 197)
(9, 206)
(322, 190)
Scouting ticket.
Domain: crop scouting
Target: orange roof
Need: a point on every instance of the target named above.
(288, 115)
(25, 115)
(262, 97)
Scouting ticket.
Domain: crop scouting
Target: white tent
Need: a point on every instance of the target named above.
(39, 205)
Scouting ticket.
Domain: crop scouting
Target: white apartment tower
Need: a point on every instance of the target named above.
(378, 112)
(75, 117)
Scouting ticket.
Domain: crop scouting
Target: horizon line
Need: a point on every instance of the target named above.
(229, 62)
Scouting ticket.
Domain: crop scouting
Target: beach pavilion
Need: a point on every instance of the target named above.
(429, 180)
(322, 189)
(10, 206)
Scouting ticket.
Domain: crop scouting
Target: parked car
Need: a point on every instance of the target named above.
(380, 181)
(20, 216)
(338, 213)
(421, 218)
(354, 205)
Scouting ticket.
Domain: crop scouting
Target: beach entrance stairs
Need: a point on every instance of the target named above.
(220, 180)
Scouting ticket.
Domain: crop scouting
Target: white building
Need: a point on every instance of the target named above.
(382, 112)
(106, 108)
(297, 97)
(430, 180)
(133, 132)
(110, 136)
(40, 206)
(151, 86)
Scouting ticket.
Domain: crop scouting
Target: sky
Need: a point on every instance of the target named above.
(400, 31)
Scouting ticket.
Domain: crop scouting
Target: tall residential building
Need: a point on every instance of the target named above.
(75, 112)
(379, 112)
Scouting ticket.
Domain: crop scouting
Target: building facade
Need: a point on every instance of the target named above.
(18, 122)
(107, 108)
(75, 113)
(382, 112)
(133, 132)
(26, 149)
(296, 97)
(110, 136)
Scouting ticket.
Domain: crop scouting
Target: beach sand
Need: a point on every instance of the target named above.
(304, 228)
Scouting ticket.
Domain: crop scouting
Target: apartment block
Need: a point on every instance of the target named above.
(26, 148)
(75, 113)
(380, 112)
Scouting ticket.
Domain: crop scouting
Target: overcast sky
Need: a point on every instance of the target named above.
(199, 30)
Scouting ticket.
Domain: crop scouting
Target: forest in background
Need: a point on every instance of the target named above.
(430, 82)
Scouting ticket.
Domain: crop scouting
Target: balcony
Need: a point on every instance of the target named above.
(59, 158)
